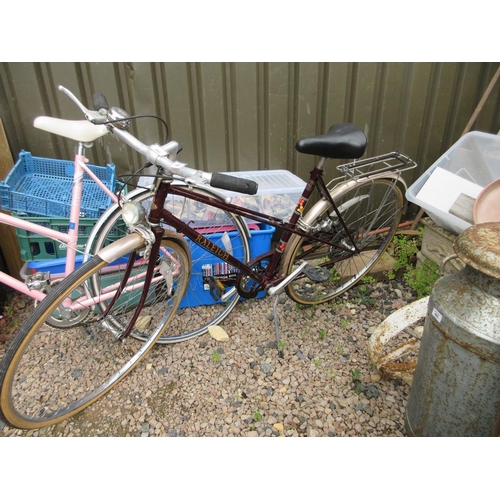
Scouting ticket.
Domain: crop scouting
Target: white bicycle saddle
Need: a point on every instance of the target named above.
(78, 130)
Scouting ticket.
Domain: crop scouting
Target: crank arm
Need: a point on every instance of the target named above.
(277, 289)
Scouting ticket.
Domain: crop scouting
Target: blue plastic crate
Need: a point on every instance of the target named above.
(42, 186)
(197, 294)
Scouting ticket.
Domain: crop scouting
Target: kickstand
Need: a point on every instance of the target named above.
(277, 326)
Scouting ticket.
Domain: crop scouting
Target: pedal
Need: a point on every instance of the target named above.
(317, 274)
(38, 281)
(279, 287)
(216, 288)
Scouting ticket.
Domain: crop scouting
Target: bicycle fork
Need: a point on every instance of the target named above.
(158, 233)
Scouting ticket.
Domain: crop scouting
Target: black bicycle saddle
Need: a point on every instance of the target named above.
(342, 141)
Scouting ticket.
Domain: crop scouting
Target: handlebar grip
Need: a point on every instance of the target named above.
(230, 183)
(99, 101)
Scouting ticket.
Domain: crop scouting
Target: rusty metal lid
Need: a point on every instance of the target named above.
(479, 247)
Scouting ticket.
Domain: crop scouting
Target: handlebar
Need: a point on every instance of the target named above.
(230, 183)
(155, 154)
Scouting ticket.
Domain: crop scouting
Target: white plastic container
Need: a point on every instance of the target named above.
(467, 167)
(278, 193)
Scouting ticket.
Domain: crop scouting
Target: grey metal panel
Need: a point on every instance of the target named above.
(248, 116)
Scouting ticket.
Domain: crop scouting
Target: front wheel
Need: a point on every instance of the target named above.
(49, 374)
(210, 294)
(371, 210)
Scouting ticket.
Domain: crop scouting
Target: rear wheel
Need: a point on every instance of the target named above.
(49, 374)
(371, 211)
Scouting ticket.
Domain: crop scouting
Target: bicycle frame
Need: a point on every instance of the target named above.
(269, 278)
(70, 238)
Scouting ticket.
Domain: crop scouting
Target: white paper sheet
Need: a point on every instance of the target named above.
(443, 188)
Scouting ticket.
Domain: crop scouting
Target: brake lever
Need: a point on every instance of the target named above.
(91, 116)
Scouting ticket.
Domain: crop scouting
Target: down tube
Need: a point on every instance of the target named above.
(203, 242)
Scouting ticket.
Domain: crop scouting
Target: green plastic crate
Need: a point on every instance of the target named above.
(34, 246)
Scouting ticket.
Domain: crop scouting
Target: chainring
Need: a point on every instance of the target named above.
(246, 286)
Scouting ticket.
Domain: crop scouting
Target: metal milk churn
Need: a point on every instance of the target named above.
(456, 386)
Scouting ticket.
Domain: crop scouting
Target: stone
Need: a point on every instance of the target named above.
(143, 322)
(218, 333)
(280, 428)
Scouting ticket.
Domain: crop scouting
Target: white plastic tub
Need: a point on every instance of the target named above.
(467, 167)
(278, 193)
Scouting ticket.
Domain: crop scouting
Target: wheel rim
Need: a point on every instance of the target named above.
(52, 373)
(372, 221)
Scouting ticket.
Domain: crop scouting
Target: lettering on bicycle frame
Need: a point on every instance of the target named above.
(211, 247)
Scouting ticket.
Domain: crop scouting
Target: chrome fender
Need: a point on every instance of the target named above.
(319, 207)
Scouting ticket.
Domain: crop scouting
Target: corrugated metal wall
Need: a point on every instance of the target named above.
(248, 116)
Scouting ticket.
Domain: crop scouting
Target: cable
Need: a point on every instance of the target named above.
(108, 122)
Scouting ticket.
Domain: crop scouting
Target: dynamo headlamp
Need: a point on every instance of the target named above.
(133, 213)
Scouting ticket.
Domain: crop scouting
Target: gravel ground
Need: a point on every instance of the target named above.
(323, 386)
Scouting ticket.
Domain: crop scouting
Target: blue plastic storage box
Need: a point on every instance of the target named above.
(56, 267)
(204, 264)
(209, 265)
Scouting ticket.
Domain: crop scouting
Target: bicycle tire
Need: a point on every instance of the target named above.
(49, 374)
(372, 211)
(199, 309)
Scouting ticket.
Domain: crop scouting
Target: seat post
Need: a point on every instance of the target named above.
(321, 163)
(80, 149)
